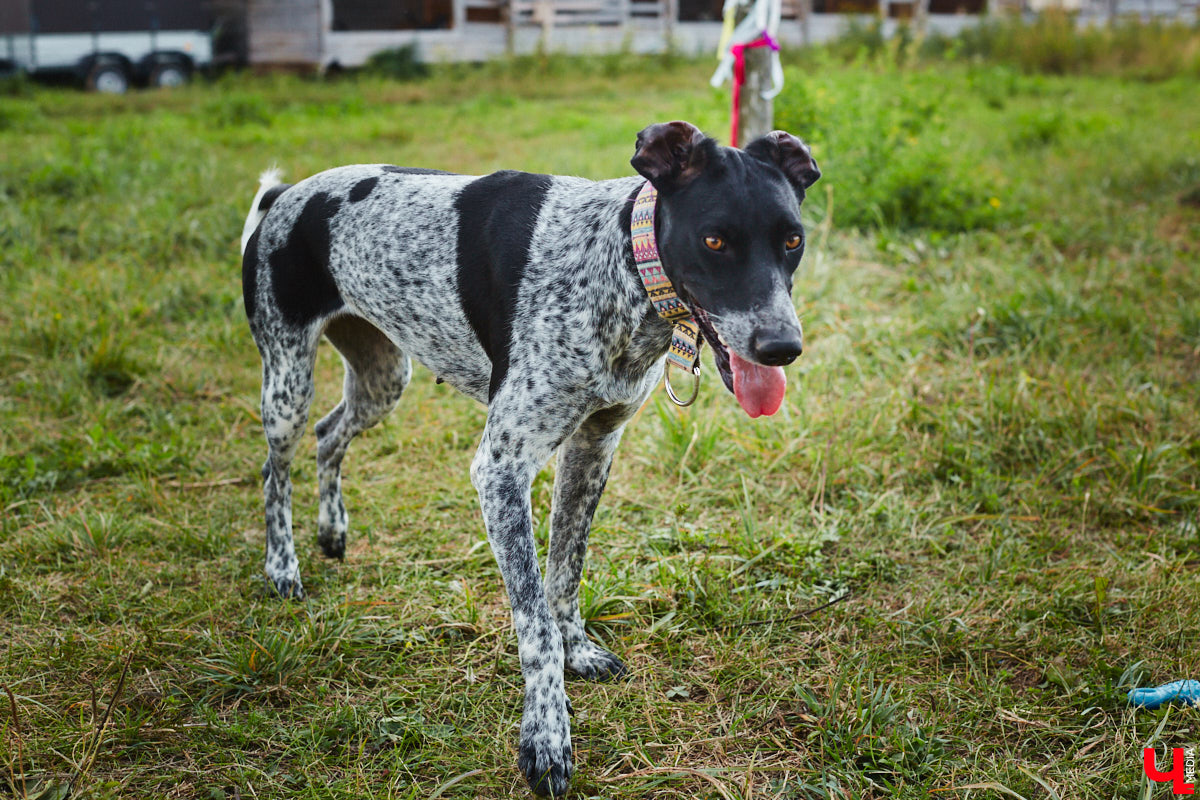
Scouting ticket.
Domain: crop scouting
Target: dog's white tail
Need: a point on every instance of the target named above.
(268, 180)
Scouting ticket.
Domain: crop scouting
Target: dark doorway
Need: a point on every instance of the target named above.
(373, 15)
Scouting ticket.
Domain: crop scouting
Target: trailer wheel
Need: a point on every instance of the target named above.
(108, 77)
(169, 74)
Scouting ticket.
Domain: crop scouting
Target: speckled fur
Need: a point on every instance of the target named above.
(370, 257)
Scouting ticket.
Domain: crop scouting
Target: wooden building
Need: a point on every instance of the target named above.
(326, 34)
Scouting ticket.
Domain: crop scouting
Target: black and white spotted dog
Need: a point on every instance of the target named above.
(520, 291)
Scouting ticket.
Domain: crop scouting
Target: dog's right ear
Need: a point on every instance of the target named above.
(670, 154)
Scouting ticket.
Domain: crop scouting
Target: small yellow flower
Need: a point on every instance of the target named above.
(994, 202)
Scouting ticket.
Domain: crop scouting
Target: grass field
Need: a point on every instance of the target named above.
(988, 458)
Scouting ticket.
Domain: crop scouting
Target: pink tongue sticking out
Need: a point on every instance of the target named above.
(759, 389)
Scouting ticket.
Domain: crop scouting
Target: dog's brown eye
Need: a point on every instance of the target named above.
(793, 241)
(714, 243)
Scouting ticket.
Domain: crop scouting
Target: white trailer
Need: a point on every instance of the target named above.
(106, 45)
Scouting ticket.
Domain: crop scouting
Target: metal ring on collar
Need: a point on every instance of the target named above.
(695, 387)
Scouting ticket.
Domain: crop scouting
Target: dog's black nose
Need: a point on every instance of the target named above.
(777, 349)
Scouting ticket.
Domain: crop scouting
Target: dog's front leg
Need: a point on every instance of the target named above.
(509, 456)
(583, 464)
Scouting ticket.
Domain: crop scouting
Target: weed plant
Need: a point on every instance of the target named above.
(1051, 43)
(399, 63)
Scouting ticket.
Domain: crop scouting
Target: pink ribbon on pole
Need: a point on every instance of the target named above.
(739, 76)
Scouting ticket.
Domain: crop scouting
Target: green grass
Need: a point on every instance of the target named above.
(988, 458)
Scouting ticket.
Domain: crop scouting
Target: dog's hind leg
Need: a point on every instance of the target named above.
(377, 371)
(287, 394)
(583, 464)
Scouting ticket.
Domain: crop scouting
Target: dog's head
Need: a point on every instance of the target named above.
(730, 239)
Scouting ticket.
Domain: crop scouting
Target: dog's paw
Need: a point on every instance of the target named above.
(594, 663)
(286, 588)
(332, 523)
(545, 752)
(548, 770)
(333, 544)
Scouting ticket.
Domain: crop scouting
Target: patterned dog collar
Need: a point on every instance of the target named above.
(684, 352)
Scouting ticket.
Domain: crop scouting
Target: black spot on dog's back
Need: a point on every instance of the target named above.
(271, 195)
(362, 190)
(300, 277)
(496, 217)
(250, 275)
(414, 171)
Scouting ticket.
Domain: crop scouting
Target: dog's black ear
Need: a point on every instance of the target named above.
(789, 154)
(670, 154)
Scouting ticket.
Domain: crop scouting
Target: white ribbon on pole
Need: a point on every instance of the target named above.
(763, 18)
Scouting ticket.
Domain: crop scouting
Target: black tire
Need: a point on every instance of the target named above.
(109, 77)
(170, 74)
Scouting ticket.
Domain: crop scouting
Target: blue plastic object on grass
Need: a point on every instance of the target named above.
(1174, 692)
